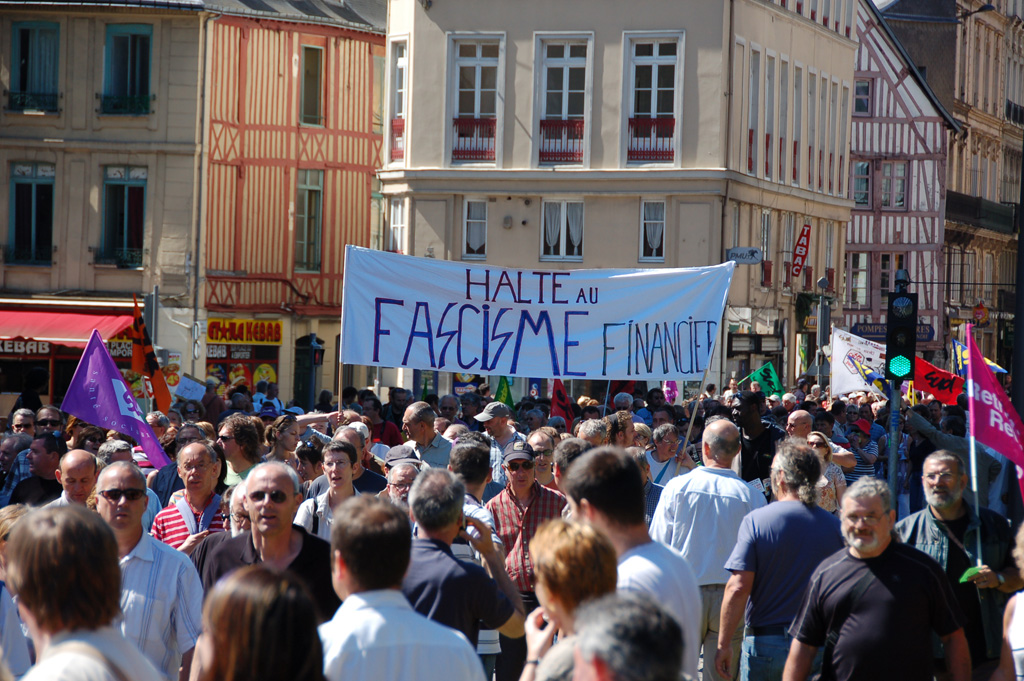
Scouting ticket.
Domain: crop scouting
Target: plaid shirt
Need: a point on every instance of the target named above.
(19, 471)
(517, 528)
(652, 494)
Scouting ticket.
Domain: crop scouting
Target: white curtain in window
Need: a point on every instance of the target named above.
(43, 55)
(654, 224)
(552, 227)
(574, 216)
(476, 224)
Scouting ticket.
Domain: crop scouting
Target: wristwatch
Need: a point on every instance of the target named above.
(1002, 580)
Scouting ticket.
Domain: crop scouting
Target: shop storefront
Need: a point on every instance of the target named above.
(242, 351)
(52, 339)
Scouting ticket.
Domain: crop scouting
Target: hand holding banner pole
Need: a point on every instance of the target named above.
(972, 417)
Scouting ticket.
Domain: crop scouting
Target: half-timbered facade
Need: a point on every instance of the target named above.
(897, 182)
(294, 139)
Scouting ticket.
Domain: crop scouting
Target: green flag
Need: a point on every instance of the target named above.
(426, 382)
(769, 380)
(504, 393)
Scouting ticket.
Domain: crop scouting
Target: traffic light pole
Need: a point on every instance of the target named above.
(894, 445)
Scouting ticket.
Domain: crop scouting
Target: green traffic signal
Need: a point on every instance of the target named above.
(899, 366)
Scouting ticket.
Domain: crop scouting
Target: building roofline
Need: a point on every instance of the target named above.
(905, 56)
(211, 6)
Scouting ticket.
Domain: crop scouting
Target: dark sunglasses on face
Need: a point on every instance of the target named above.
(277, 496)
(114, 495)
(48, 422)
(516, 465)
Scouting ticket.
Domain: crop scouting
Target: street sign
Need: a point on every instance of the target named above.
(746, 255)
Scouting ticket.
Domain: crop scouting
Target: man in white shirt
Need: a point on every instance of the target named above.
(161, 595)
(376, 634)
(667, 459)
(77, 475)
(699, 515)
(605, 489)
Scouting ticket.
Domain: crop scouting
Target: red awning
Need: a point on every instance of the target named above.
(63, 328)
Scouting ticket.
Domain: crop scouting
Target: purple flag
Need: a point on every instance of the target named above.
(99, 395)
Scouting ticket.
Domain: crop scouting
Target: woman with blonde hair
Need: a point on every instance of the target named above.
(573, 563)
(259, 625)
(832, 483)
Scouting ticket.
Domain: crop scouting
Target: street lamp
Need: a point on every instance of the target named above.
(988, 7)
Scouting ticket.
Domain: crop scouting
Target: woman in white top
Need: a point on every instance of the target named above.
(317, 515)
(1011, 661)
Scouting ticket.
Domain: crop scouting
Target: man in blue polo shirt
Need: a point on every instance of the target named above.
(450, 591)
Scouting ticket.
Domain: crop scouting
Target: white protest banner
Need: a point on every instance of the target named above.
(421, 313)
(847, 351)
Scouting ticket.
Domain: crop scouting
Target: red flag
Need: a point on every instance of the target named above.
(560, 404)
(621, 387)
(144, 362)
(943, 384)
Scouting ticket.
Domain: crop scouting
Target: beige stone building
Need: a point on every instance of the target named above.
(641, 134)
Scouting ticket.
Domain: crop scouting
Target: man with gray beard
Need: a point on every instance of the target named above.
(874, 605)
(947, 530)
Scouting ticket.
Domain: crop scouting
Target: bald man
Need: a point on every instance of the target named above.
(799, 424)
(76, 473)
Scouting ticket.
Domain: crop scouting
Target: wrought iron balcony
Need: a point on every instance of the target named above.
(33, 101)
(126, 105)
(978, 212)
(121, 257)
(397, 139)
(27, 255)
(473, 139)
(561, 141)
(651, 139)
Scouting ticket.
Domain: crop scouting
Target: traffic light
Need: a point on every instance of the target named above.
(901, 336)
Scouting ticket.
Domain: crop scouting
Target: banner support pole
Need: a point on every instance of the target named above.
(971, 418)
(693, 416)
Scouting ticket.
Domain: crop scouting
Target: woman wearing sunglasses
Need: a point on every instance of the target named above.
(832, 483)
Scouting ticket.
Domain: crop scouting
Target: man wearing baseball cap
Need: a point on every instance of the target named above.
(518, 511)
(495, 420)
(864, 449)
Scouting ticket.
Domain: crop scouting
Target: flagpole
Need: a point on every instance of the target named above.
(971, 418)
(689, 427)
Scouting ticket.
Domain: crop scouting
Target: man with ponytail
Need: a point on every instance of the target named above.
(777, 549)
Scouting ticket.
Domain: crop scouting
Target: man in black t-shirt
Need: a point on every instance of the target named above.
(42, 486)
(947, 529)
(757, 438)
(885, 631)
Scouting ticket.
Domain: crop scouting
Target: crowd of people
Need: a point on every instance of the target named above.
(735, 535)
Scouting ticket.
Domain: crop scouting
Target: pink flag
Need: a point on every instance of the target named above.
(98, 395)
(994, 422)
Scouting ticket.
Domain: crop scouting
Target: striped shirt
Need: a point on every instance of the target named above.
(162, 602)
(517, 527)
(170, 528)
(863, 468)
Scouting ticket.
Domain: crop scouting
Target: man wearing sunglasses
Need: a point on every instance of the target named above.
(522, 507)
(274, 493)
(161, 595)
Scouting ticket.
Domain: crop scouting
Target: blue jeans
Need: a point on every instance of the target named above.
(764, 657)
